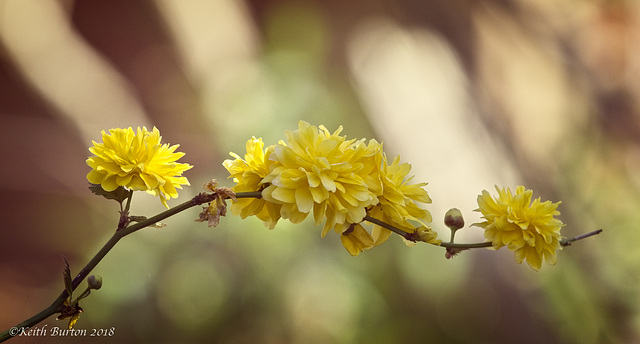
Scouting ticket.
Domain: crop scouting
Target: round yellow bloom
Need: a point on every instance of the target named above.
(323, 172)
(138, 161)
(248, 174)
(527, 228)
(398, 206)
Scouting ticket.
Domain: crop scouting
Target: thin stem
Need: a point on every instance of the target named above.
(252, 194)
(128, 230)
(568, 241)
(57, 304)
(388, 226)
(411, 236)
(124, 213)
(465, 246)
(128, 205)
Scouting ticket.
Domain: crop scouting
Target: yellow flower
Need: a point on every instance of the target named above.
(248, 173)
(356, 239)
(398, 206)
(138, 161)
(527, 228)
(340, 180)
(320, 171)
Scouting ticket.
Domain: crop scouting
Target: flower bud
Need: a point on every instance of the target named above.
(94, 281)
(453, 219)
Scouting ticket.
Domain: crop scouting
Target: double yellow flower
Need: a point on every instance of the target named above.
(138, 161)
(339, 180)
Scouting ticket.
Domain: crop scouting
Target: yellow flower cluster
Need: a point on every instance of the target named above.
(527, 228)
(138, 161)
(340, 180)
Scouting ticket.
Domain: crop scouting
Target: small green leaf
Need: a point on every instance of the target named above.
(67, 277)
(119, 194)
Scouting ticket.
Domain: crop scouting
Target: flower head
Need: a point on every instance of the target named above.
(398, 203)
(525, 227)
(138, 161)
(248, 174)
(324, 172)
(341, 181)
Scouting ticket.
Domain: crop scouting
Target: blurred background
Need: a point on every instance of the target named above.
(472, 93)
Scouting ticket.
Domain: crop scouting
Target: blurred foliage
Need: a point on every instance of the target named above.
(472, 93)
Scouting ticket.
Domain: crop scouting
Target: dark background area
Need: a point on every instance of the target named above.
(472, 93)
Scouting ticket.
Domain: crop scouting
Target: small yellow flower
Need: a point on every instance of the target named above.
(320, 171)
(248, 173)
(527, 228)
(138, 161)
(398, 203)
(356, 239)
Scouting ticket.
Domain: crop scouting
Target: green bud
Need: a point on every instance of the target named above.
(453, 219)
(94, 281)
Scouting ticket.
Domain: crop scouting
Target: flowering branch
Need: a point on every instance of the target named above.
(411, 237)
(342, 182)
